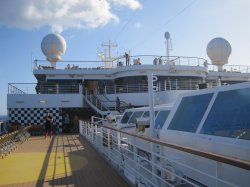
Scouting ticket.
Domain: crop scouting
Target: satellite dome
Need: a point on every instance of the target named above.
(53, 47)
(218, 50)
(167, 35)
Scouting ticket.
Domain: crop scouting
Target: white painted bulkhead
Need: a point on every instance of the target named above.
(44, 100)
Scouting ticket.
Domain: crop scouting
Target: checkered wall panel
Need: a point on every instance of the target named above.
(35, 116)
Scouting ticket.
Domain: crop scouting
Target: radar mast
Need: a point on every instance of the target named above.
(168, 44)
(107, 59)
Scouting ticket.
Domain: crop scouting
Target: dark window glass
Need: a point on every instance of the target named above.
(190, 113)
(156, 112)
(126, 117)
(161, 118)
(230, 115)
(134, 116)
(146, 114)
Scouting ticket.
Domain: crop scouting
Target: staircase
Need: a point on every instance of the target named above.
(104, 106)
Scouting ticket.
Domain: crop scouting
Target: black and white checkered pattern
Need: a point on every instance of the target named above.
(35, 116)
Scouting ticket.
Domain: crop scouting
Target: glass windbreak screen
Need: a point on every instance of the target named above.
(126, 117)
(156, 112)
(161, 118)
(190, 113)
(230, 115)
(146, 114)
(134, 116)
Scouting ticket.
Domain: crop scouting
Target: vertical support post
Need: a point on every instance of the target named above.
(218, 173)
(96, 136)
(119, 149)
(151, 103)
(92, 133)
(101, 139)
(86, 129)
(151, 90)
(109, 148)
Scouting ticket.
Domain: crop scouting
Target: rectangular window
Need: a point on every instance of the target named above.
(146, 114)
(134, 116)
(126, 117)
(190, 112)
(161, 118)
(230, 115)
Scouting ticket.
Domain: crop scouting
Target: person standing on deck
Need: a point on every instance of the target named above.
(48, 125)
(127, 58)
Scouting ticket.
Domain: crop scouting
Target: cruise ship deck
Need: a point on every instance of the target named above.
(62, 160)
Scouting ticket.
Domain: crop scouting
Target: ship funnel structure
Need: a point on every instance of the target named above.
(218, 50)
(53, 47)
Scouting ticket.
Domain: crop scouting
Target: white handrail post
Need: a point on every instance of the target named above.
(109, 148)
(101, 137)
(92, 133)
(80, 125)
(86, 130)
(120, 149)
(96, 135)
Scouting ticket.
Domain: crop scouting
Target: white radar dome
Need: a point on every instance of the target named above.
(53, 47)
(167, 35)
(218, 50)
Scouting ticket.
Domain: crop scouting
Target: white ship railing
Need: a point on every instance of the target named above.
(165, 85)
(117, 62)
(105, 105)
(54, 88)
(133, 60)
(44, 88)
(146, 168)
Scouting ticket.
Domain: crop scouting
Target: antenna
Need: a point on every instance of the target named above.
(109, 45)
(108, 60)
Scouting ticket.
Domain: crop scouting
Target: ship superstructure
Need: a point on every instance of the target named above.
(84, 88)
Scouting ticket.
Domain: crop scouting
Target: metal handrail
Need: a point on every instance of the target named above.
(145, 60)
(119, 61)
(72, 88)
(43, 88)
(114, 144)
(244, 164)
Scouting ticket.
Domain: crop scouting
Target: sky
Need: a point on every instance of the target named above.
(137, 26)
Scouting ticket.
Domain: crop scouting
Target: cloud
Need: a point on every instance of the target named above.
(132, 4)
(60, 14)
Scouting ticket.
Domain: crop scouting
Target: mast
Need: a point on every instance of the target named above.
(168, 45)
(109, 45)
(108, 59)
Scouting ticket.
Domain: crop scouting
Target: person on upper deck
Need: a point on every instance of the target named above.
(127, 58)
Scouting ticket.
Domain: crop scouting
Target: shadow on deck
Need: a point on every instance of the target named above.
(63, 160)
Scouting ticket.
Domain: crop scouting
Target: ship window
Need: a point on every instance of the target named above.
(146, 114)
(190, 113)
(230, 115)
(134, 116)
(126, 117)
(161, 118)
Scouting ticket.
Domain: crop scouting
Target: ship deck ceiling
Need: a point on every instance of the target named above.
(63, 160)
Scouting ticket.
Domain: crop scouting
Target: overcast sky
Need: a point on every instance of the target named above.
(135, 25)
